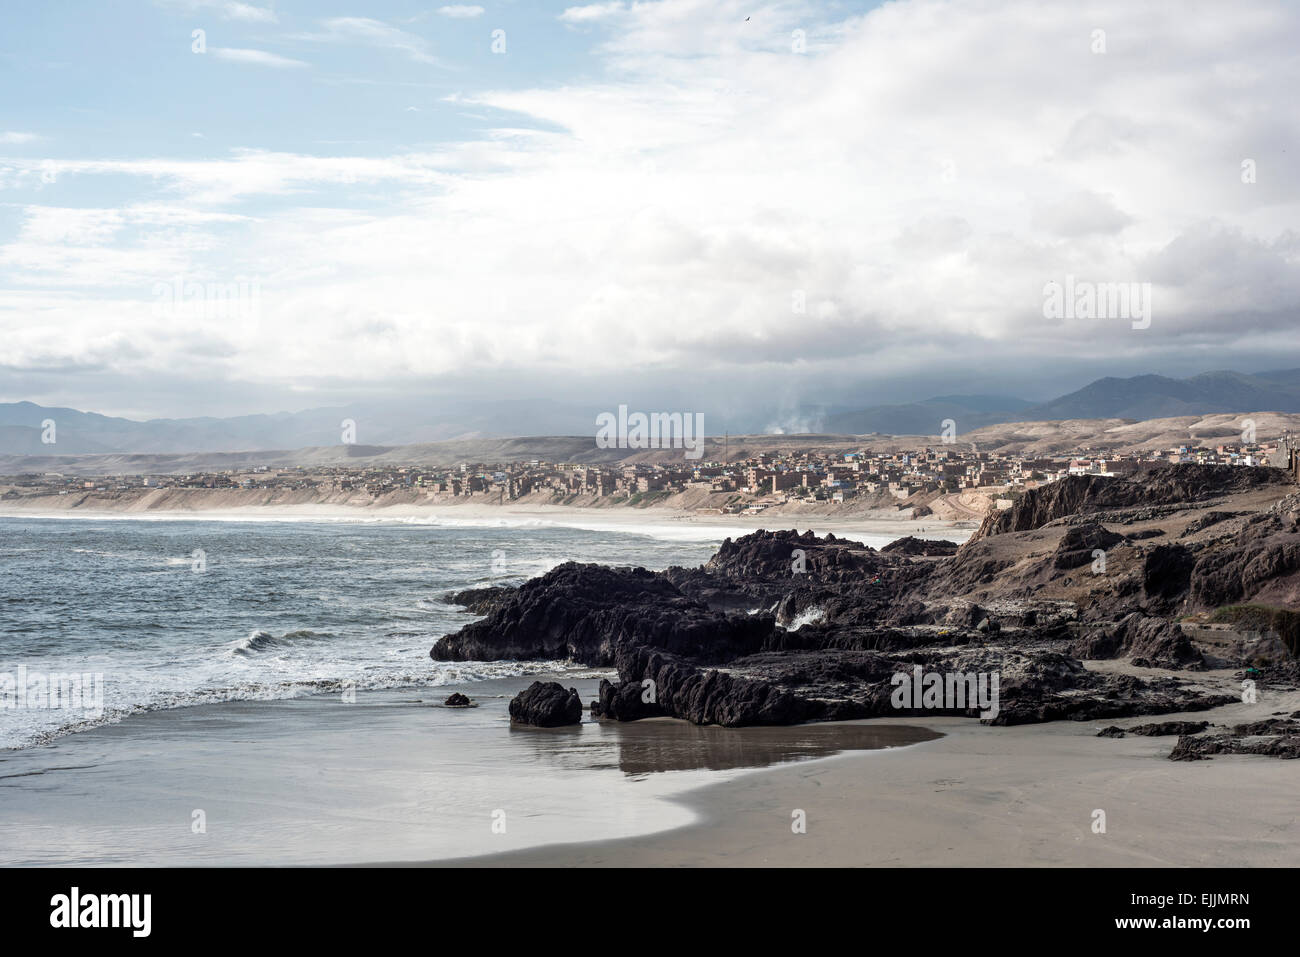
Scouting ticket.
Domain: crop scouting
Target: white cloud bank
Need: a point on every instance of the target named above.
(916, 177)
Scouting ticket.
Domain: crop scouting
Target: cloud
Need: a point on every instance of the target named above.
(1080, 214)
(10, 137)
(373, 33)
(461, 11)
(257, 58)
(226, 9)
(245, 174)
(244, 11)
(714, 209)
(592, 12)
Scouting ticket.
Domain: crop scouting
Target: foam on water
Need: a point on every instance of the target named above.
(281, 609)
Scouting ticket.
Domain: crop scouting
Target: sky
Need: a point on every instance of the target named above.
(674, 204)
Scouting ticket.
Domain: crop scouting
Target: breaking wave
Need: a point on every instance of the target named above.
(260, 641)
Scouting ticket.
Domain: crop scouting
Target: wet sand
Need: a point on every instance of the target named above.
(985, 796)
(393, 776)
(398, 779)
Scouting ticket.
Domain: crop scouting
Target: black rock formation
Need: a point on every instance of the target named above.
(546, 705)
(782, 627)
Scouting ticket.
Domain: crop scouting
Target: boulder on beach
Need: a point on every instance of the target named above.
(546, 704)
(457, 700)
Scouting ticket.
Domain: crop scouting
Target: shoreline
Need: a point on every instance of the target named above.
(700, 525)
(314, 781)
(977, 797)
(974, 795)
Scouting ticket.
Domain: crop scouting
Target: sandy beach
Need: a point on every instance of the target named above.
(875, 527)
(985, 796)
(395, 778)
(322, 780)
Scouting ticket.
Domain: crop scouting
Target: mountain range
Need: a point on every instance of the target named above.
(410, 421)
(1137, 398)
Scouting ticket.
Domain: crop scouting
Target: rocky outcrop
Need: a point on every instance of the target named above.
(627, 700)
(579, 612)
(457, 700)
(1157, 730)
(1080, 542)
(1156, 643)
(1167, 573)
(782, 626)
(920, 547)
(1260, 563)
(1276, 742)
(782, 556)
(1047, 503)
(1165, 728)
(546, 704)
(480, 601)
(700, 695)
(1160, 485)
(828, 685)
(1151, 642)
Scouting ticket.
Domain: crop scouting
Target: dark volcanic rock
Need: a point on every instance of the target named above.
(457, 700)
(782, 556)
(1038, 506)
(580, 612)
(782, 627)
(1201, 747)
(839, 684)
(1266, 727)
(1080, 541)
(1167, 572)
(920, 547)
(1114, 731)
(1174, 485)
(480, 600)
(1250, 567)
(700, 695)
(1100, 644)
(1150, 641)
(627, 701)
(1157, 643)
(546, 705)
(1164, 728)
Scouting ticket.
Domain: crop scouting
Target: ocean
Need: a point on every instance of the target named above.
(268, 697)
(178, 613)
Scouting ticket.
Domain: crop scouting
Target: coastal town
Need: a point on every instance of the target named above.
(955, 481)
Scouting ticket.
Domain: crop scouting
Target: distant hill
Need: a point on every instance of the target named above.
(1138, 398)
(418, 420)
(392, 422)
(1154, 396)
(1026, 438)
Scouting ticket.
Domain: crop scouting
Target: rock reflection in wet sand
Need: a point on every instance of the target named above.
(667, 744)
